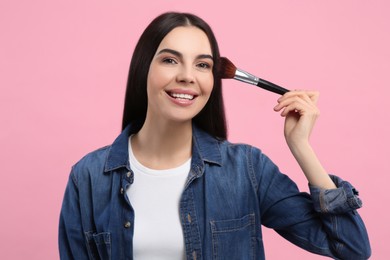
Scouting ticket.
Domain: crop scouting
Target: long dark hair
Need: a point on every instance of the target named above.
(212, 117)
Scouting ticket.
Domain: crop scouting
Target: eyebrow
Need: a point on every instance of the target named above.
(178, 54)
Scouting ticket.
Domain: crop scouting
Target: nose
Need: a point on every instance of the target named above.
(185, 75)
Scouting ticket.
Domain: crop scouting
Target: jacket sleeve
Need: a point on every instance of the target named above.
(72, 242)
(324, 222)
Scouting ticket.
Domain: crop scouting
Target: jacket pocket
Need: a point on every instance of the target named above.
(99, 245)
(234, 238)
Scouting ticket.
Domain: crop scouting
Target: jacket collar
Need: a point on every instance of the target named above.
(205, 148)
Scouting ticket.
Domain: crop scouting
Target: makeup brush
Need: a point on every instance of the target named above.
(227, 70)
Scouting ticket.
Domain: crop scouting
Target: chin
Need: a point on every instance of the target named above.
(181, 119)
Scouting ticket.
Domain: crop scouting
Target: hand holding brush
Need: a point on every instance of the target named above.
(229, 71)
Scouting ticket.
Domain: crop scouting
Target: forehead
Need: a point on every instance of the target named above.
(187, 40)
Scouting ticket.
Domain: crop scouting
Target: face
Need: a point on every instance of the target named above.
(180, 78)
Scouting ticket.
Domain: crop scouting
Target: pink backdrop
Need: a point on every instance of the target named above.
(63, 69)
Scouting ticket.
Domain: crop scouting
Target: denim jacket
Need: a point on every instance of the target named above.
(231, 191)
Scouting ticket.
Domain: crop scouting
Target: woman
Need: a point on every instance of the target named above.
(172, 187)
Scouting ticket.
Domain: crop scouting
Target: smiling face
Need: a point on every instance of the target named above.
(180, 78)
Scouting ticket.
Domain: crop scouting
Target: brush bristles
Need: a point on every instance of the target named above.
(227, 70)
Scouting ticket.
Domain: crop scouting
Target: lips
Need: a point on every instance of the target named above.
(182, 97)
(185, 95)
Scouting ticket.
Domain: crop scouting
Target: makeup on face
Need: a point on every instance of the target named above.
(180, 78)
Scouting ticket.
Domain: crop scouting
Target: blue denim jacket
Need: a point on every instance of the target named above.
(231, 190)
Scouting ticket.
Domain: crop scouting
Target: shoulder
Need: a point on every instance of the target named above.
(245, 163)
(240, 150)
(247, 156)
(91, 164)
(95, 157)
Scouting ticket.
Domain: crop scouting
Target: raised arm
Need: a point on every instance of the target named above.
(301, 112)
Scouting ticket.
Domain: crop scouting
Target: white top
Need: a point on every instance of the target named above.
(155, 196)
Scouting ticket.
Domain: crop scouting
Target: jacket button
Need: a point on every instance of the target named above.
(127, 224)
(128, 174)
(194, 255)
(122, 190)
(189, 218)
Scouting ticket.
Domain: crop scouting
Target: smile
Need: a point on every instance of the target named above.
(181, 96)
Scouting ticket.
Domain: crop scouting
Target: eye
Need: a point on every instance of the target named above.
(204, 65)
(169, 61)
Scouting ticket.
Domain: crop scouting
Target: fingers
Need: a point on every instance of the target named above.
(299, 101)
(312, 95)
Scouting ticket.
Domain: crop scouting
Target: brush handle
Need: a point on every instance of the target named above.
(246, 77)
(271, 87)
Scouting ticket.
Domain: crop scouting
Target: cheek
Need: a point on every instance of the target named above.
(208, 84)
(159, 79)
(155, 82)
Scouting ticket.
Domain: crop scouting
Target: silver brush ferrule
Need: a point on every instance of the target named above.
(246, 77)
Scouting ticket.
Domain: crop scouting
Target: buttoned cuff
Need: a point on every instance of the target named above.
(335, 201)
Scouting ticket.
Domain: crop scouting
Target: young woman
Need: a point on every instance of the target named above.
(172, 187)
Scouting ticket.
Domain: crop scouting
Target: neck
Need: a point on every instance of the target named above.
(162, 144)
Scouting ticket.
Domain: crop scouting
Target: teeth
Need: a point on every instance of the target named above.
(183, 96)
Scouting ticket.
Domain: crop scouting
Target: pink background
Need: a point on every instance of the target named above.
(63, 70)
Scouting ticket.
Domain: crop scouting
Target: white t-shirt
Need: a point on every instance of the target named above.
(155, 196)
